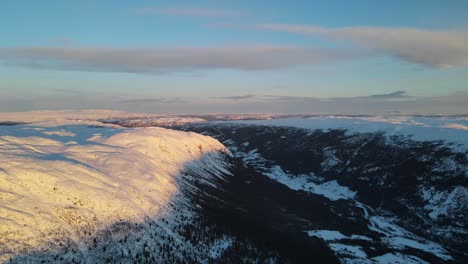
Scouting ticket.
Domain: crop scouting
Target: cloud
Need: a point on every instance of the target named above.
(258, 98)
(397, 94)
(287, 98)
(369, 98)
(160, 100)
(161, 60)
(453, 104)
(387, 96)
(373, 104)
(189, 12)
(439, 49)
(237, 98)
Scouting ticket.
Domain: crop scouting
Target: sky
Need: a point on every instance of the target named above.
(327, 57)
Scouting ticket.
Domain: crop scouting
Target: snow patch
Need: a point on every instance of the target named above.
(348, 250)
(399, 238)
(219, 247)
(327, 235)
(397, 258)
(330, 159)
(443, 202)
(331, 189)
(331, 235)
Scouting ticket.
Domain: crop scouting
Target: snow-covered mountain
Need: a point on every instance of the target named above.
(99, 187)
(74, 193)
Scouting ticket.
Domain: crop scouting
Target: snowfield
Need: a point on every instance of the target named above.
(68, 179)
(60, 185)
(262, 147)
(331, 190)
(450, 129)
(109, 118)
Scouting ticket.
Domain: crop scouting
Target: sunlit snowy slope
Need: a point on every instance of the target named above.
(59, 186)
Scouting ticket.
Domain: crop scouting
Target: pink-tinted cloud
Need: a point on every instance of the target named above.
(160, 60)
(441, 49)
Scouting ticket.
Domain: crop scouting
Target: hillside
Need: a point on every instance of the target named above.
(63, 187)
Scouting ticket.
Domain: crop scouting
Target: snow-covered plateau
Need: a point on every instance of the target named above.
(108, 187)
(447, 128)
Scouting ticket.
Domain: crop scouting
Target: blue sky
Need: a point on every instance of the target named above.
(235, 56)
